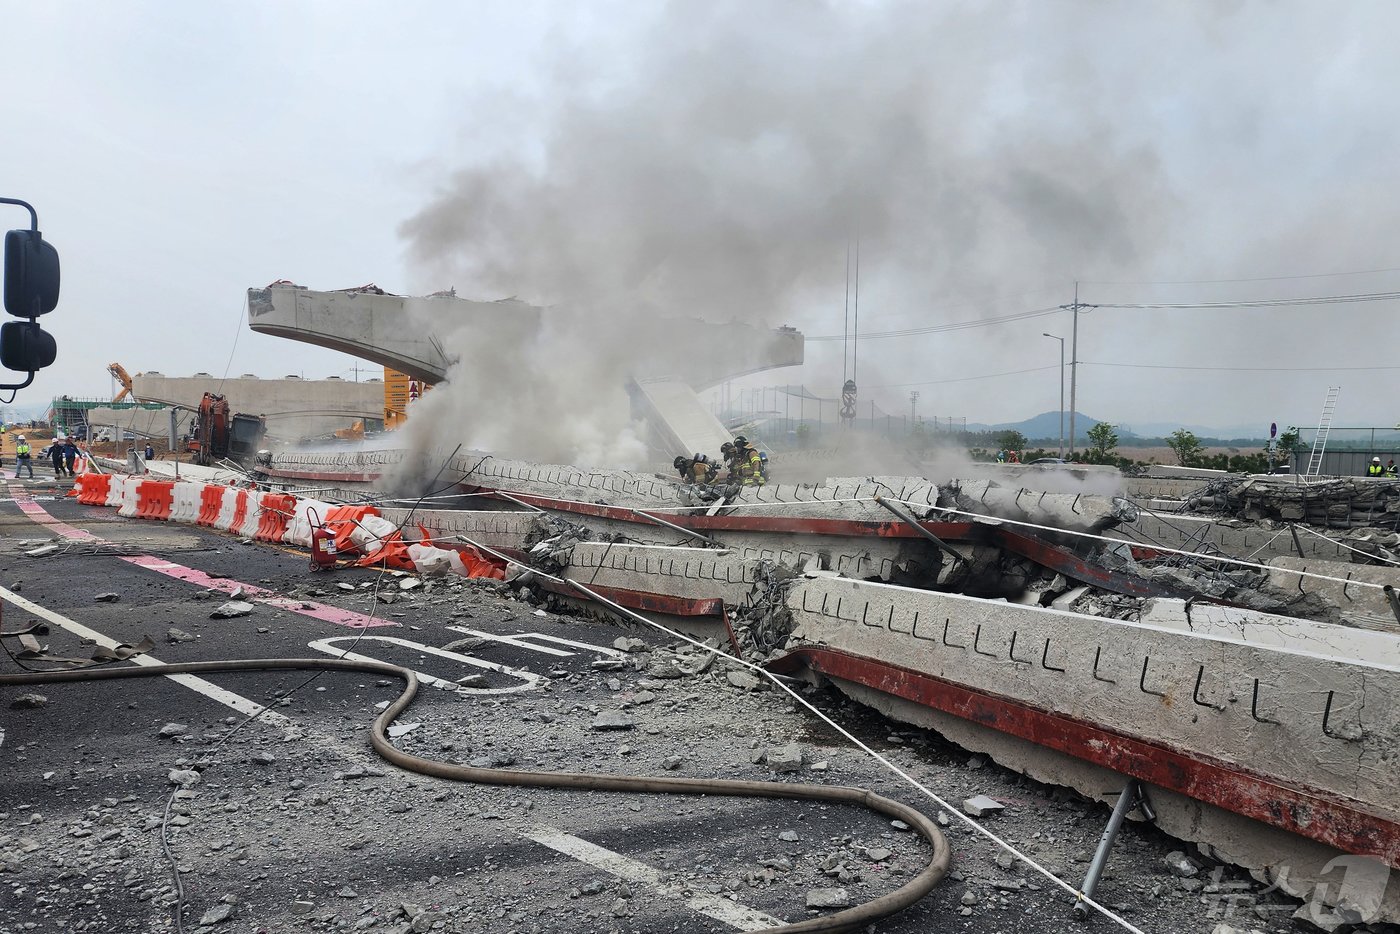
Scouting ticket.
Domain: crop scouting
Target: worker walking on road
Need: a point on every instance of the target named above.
(22, 457)
(55, 452)
(70, 454)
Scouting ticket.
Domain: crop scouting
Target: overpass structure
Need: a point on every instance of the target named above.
(689, 354)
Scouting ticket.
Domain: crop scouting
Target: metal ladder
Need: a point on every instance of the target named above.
(1324, 426)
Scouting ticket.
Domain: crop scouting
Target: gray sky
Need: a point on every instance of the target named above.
(714, 159)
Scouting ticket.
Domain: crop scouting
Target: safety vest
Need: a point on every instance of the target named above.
(1374, 470)
(21, 450)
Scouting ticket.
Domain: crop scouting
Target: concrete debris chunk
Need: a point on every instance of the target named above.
(232, 609)
(786, 758)
(28, 701)
(828, 898)
(402, 729)
(185, 778)
(789, 836)
(410, 583)
(172, 730)
(179, 635)
(743, 680)
(665, 667)
(358, 771)
(108, 597)
(878, 854)
(981, 806)
(629, 644)
(218, 914)
(238, 593)
(42, 551)
(1179, 864)
(612, 720)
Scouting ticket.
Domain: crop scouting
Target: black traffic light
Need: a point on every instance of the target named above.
(25, 346)
(31, 274)
(31, 290)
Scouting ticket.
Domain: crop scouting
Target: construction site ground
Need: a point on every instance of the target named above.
(298, 825)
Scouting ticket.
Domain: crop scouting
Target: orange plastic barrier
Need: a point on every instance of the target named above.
(240, 510)
(92, 488)
(277, 510)
(392, 552)
(479, 565)
(341, 520)
(211, 500)
(154, 499)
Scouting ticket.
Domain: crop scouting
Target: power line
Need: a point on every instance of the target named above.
(1242, 369)
(1314, 275)
(956, 326)
(1258, 303)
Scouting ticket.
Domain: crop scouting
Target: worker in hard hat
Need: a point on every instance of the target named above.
(23, 457)
(1374, 469)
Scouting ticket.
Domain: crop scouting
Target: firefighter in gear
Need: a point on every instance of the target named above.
(22, 457)
(1373, 469)
(697, 469)
(748, 462)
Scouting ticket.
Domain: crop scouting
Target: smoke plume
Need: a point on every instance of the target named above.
(722, 174)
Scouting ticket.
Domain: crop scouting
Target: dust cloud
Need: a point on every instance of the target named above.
(720, 169)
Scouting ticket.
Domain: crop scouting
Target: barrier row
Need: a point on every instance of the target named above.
(279, 518)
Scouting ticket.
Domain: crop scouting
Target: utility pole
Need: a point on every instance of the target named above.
(913, 406)
(1062, 388)
(1073, 366)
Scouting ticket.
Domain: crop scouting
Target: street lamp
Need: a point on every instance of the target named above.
(1062, 388)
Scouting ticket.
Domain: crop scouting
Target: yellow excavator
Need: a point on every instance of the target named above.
(120, 375)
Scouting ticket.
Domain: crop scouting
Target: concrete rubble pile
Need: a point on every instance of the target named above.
(1334, 503)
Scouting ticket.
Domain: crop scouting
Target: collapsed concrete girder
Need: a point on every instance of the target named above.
(382, 328)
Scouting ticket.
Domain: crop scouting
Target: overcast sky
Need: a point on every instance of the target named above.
(716, 158)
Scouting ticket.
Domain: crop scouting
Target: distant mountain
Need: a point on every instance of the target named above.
(1046, 427)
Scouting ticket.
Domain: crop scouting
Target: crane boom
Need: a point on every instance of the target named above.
(120, 375)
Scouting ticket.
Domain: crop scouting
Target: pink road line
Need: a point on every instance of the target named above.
(321, 611)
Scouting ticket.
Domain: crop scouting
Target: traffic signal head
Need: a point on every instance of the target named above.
(26, 347)
(31, 274)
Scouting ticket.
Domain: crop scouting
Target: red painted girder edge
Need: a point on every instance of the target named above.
(1322, 816)
(644, 600)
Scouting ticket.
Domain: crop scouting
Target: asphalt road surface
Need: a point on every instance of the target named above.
(295, 824)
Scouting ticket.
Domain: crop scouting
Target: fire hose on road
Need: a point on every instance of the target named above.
(851, 919)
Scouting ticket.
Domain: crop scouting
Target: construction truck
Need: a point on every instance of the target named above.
(216, 435)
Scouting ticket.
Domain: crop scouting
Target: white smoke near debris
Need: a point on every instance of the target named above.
(722, 171)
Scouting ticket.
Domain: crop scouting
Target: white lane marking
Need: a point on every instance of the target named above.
(208, 689)
(518, 640)
(529, 681)
(721, 909)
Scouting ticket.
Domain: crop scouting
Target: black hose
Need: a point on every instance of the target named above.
(851, 919)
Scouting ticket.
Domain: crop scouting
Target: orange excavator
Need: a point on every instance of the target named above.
(216, 435)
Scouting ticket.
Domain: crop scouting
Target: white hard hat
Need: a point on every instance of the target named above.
(20, 438)
(1375, 460)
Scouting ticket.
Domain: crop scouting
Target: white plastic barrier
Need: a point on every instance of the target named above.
(369, 533)
(186, 501)
(116, 489)
(228, 508)
(430, 560)
(128, 495)
(252, 517)
(299, 529)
